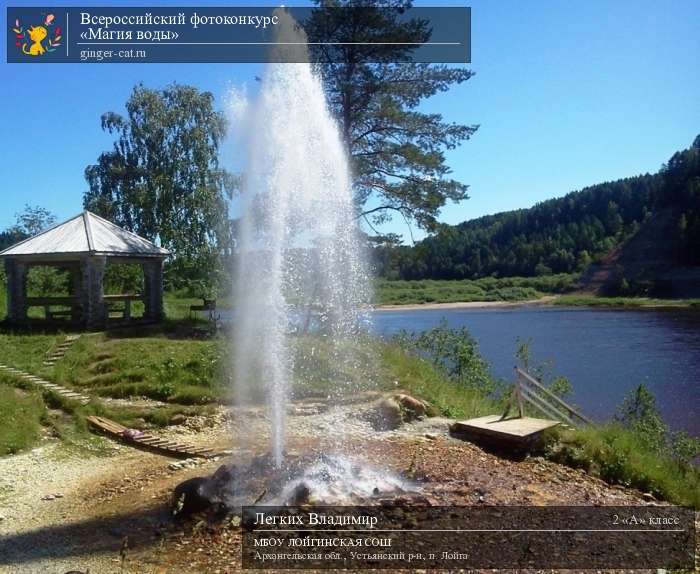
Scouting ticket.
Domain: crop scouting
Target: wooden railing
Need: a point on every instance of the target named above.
(530, 390)
(49, 304)
(126, 299)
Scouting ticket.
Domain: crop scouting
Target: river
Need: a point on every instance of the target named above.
(605, 353)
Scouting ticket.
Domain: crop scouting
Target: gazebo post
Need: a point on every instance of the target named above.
(16, 272)
(153, 289)
(76, 282)
(91, 296)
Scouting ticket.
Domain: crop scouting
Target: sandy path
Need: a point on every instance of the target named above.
(467, 305)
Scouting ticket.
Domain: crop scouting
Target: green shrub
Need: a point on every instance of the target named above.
(454, 352)
(638, 412)
(619, 456)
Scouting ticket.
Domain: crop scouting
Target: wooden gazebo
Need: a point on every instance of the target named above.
(82, 245)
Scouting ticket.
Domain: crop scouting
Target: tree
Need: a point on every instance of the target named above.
(397, 153)
(162, 178)
(41, 280)
(639, 413)
(32, 220)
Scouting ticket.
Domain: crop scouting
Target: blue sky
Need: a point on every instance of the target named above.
(567, 94)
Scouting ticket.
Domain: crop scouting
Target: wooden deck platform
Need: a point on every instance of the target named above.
(513, 430)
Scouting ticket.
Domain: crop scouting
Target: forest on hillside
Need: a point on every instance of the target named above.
(558, 236)
(561, 235)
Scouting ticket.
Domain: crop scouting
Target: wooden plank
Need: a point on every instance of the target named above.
(108, 425)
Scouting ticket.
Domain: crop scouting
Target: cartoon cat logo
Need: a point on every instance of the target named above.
(31, 41)
(37, 34)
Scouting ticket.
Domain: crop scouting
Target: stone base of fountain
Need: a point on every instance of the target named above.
(314, 481)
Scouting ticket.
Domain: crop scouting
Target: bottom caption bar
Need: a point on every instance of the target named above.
(379, 537)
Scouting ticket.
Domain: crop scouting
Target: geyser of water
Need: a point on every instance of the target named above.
(300, 264)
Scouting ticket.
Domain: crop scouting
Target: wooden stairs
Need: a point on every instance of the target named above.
(64, 392)
(57, 354)
(148, 441)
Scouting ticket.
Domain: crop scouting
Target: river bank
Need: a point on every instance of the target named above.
(546, 300)
(572, 300)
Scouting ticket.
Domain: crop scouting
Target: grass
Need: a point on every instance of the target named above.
(378, 365)
(177, 305)
(27, 351)
(513, 289)
(618, 456)
(631, 302)
(21, 417)
(160, 367)
(420, 378)
(190, 376)
(467, 290)
(161, 363)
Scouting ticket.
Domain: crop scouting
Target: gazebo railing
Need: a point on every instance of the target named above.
(110, 300)
(47, 302)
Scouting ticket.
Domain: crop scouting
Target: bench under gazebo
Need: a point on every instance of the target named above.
(83, 246)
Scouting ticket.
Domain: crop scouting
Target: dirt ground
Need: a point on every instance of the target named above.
(110, 513)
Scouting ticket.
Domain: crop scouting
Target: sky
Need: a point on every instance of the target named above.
(566, 94)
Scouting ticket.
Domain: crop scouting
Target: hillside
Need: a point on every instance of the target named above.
(648, 263)
(635, 234)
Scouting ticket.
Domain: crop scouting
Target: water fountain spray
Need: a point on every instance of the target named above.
(300, 264)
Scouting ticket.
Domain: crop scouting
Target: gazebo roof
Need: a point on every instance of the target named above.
(85, 233)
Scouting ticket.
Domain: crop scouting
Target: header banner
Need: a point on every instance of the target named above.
(238, 35)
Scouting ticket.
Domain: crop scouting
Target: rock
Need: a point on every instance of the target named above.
(430, 436)
(177, 419)
(386, 415)
(194, 495)
(48, 497)
(411, 407)
(223, 475)
(2, 517)
(300, 495)
(648, 496)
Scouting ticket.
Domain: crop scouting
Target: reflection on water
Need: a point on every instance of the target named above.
(604, 353)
